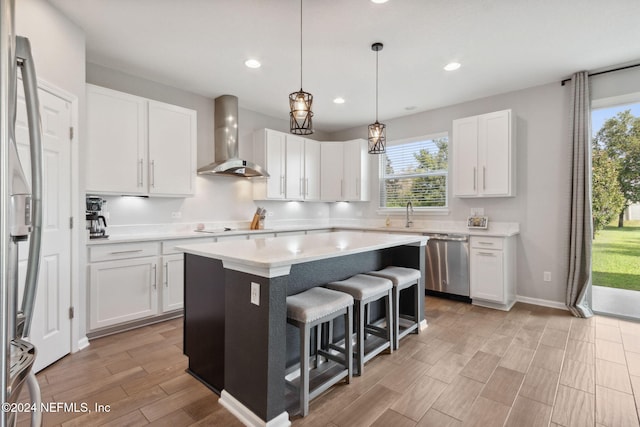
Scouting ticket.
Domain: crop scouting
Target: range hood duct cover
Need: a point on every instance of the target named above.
(227, 161)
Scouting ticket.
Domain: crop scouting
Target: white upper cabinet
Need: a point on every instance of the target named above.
(269, 148)
(137, 146)
(311, 170)
(117, 142)
(294, 168)
(172, 149)
(344, 171)
(484, 155)
(331, 171)
(356, 170)
(293, 164)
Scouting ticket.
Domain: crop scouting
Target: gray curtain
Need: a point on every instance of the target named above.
(579, 281)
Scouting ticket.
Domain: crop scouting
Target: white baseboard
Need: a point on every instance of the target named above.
(247, 417)
(83, 343)
(541, 302)
(423, 325)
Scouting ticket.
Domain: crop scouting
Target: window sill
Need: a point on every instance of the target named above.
(416, 211)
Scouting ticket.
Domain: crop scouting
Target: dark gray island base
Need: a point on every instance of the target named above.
(240, 349)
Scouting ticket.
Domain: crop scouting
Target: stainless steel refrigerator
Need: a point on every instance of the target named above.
(20, 219)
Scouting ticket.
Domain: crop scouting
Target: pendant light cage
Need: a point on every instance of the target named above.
(300, 113)
(377, 131)
(300, 117)
(377, 138)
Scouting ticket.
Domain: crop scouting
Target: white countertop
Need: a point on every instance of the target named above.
(496, 229)
(272, 257)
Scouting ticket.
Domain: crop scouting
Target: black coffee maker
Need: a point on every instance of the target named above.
(94, 209)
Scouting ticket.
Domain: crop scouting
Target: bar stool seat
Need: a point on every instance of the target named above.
(402, 278)
(307, 310)
(366, 289)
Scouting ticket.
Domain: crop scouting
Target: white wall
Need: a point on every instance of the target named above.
(543, 180)
(58, 48)
(217, 198)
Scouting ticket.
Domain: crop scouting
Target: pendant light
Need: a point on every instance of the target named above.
(377, 131)
(300, 102)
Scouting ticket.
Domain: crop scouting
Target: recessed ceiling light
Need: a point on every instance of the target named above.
(410, 108)
(452, 66)
(252, 63)
(338, 100)
(379, 1)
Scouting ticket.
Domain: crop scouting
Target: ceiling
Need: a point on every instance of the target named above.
(503, 45)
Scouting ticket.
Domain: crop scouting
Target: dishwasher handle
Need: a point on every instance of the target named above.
(448, 237)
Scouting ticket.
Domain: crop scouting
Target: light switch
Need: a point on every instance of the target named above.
(255, 293)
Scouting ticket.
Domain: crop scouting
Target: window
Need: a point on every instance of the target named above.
(415, 171)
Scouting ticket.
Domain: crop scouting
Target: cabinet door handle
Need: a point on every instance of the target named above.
(358, 187)
(306, 190)
(155, 283)
(281, 184)
(166, 274)
(487, 254)
(341, 188)
(125, 252)
(140, 175)
(153, 173)
(474, 179)
(302, 193)
(484, 178)
(486, 243)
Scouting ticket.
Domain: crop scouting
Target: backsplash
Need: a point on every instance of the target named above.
(219, 200)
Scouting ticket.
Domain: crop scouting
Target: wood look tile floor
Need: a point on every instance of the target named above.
(531, 366)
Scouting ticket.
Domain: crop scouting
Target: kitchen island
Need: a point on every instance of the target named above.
(235, 330)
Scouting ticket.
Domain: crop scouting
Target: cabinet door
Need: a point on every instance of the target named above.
(311, 170)
(487, 275)
(356, 171)
(116, 142)
(294, 169)
(331, 170)
(172, 149)
(494, 153)
(121, 291)
(465, 156)
(173, 282)
(275, 147)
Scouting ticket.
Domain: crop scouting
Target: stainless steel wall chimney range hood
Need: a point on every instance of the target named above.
(226, 157)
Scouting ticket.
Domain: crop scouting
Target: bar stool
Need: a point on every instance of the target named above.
(366, 289)
(309, 309)
(402, 278)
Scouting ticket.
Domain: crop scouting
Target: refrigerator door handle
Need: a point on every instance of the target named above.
(30, 83)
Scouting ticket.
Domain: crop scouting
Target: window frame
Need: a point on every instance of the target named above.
(420, 210)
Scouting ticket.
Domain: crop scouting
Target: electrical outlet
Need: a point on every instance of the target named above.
(546, 276)
(176, 214)
(255, 293)
(477, 211)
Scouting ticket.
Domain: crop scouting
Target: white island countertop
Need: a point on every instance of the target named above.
(272, 257)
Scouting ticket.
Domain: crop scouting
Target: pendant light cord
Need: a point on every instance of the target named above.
(377, 86)
(300, 45)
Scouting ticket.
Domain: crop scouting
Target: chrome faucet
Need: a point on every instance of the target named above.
(409, 222)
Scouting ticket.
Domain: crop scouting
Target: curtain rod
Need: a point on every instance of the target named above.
(604, 72)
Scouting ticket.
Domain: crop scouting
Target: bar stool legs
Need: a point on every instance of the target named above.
(317, 308)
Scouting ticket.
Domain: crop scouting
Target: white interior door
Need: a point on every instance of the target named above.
(51, 327)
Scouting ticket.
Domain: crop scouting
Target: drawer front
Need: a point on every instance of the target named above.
(487, 242)
(122, 251)
(232, 237)
(169, 246)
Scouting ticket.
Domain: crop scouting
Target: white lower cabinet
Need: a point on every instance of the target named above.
(122, 291)
(492, 271)
(133, 281)
(172, 282)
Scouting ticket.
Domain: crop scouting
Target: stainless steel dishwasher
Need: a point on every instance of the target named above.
(447, 265)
